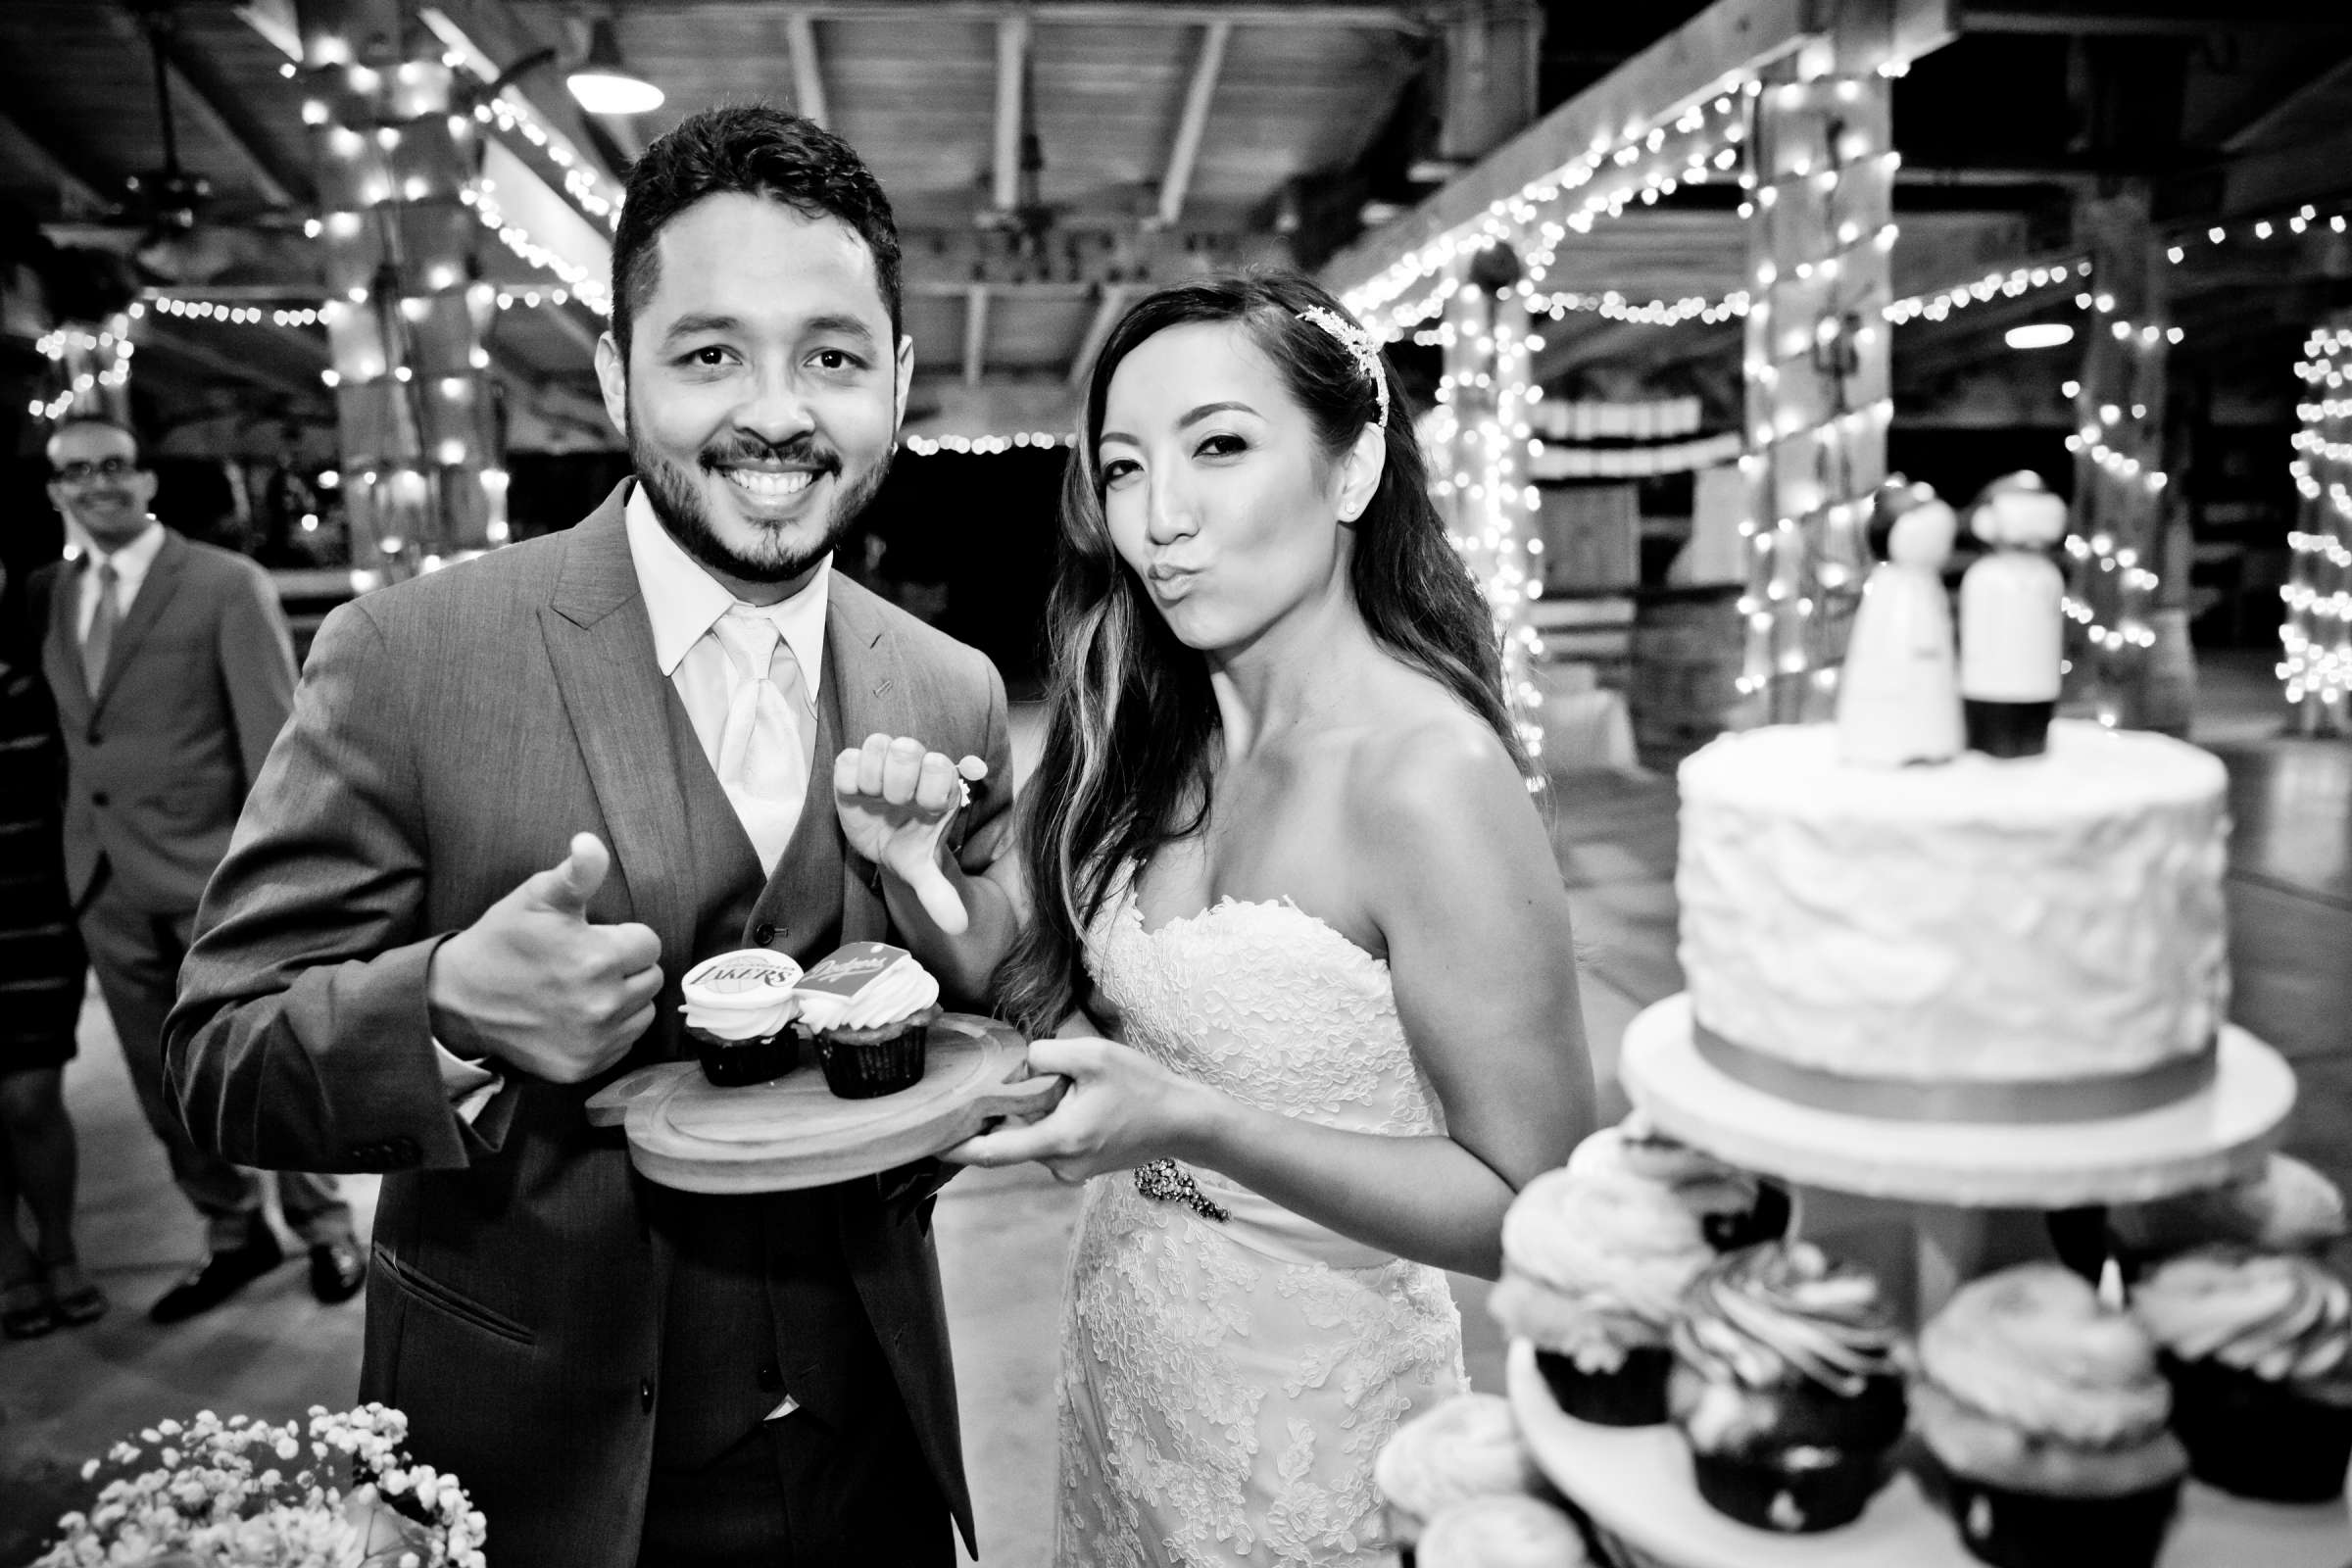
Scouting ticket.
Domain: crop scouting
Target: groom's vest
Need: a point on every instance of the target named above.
(761, 1301)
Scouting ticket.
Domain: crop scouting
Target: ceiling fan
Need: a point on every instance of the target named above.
(166, 223)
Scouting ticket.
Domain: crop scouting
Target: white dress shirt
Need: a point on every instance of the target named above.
(130, 563)
(682, 603)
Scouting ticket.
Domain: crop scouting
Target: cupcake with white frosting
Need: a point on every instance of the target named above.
(2046, 1410)
(739, 1010)
(1596, 1256)
(2258, 1346)
(1786, 1383)
(1502, 1532)
(2287, 1206)
(1463, 1448)
(869, 1006)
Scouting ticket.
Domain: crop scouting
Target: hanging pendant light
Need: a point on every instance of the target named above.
(603, 86)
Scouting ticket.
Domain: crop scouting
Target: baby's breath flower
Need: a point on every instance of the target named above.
(205, 1506)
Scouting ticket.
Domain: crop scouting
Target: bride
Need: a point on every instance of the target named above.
(1283, 887)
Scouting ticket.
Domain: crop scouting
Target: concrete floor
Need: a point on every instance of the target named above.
(1002, 1234)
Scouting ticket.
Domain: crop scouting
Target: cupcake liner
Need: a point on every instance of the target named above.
(2257, 1439)
(860, 1065)
(1763, 1489)
(2011, 1529)
(1767, 1222)
(1634, 1395)
(734, 1063)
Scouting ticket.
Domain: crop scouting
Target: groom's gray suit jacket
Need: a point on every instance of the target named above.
(535, 1301)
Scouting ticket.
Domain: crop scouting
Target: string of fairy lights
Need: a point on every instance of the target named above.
(1480, 430)
(2316, 637)
(2133, 584)
(93, 364)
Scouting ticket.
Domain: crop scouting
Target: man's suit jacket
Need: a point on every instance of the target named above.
(198, 685)
(450, 735)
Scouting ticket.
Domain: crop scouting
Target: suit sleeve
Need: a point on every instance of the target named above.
(301, 1039)
(256, 665)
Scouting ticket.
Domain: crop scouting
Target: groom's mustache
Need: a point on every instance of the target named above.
(801, 451)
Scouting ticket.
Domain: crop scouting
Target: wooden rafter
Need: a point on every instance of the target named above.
(199, 91)
(1108, 309)
(1688, 64)
(1012, 72)
(1197, 94)
(490, 33)
(1414, 19)
(975, 333)
(25, 150)
(235, 366)
(808, 67)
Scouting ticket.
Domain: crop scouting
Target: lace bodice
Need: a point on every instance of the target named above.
(1225, 1386)
(1269, 1005)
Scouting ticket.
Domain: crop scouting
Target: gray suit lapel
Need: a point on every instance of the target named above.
(869, 682)
(156, 589)
(600, 645)
(73, 693)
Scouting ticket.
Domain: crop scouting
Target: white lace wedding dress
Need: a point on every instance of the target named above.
(1226, 1383)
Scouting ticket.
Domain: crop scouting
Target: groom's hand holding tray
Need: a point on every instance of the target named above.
(900, 1081)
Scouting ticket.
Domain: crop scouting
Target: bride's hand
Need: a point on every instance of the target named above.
(1122, 1110)
(895, 799)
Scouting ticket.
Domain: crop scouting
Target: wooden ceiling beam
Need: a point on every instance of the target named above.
(807, 67)
(1692, 63)
(1012, 72)
(1198, 92)
(155, 337)
(199, 91)
(2141, 17)
(2279, 110)
(21, 149)
(566, 318)
(491, 33)
(975, 333)
(1410, 20)
(1108, 310)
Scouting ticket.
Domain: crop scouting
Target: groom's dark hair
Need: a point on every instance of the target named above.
(746, 150)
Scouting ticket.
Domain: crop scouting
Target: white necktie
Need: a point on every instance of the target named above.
(763, 755)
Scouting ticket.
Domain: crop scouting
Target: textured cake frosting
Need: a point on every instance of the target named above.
(1978, 921)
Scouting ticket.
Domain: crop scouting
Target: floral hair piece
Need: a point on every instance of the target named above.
(1360, 345)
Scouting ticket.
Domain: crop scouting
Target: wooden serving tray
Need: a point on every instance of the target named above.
(793, 1132)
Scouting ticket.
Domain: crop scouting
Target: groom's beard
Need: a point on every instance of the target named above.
(677, 502)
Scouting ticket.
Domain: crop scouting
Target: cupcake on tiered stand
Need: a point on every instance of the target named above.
(1953, 965)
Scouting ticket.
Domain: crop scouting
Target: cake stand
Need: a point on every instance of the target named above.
(1925, 1205)
(1636, 1482)
(2222, 1132)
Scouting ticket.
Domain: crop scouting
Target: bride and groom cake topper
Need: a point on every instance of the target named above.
(1911, 690)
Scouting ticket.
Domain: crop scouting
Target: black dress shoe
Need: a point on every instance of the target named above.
(218, 1278)
(337, 1271)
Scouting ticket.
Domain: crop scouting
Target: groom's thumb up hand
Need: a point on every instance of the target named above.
(535, 984)
(567, 888)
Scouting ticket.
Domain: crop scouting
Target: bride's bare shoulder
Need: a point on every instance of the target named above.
(1425, 764)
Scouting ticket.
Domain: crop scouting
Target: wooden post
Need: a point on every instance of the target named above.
(1820, 235)
(1479, 435)
(397, 154)
(2316, 662)
(2124, 496)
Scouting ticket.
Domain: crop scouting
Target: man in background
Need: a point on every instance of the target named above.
(173, 674)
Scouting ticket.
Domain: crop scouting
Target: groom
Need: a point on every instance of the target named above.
(517, 800)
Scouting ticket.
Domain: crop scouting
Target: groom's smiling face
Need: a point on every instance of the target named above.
(763, 387)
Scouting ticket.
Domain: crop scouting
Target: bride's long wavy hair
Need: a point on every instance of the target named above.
(1129, 715)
